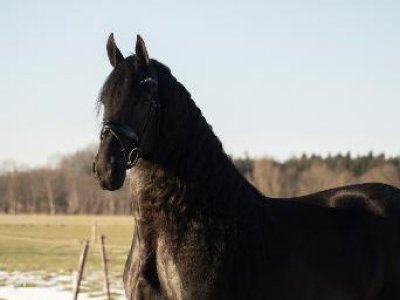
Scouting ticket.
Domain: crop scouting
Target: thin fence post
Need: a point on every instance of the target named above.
(105, 267)
(81, 266)
(94, 233)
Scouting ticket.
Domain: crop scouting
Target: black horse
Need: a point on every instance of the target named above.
(203, 232)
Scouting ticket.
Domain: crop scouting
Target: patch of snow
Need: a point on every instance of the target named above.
(50, 286)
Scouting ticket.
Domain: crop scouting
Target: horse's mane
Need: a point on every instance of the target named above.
(183, 120)
(191, 179)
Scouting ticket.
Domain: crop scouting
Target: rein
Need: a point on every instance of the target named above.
(118, 129)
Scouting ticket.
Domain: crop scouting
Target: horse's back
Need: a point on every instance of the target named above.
(377, 198)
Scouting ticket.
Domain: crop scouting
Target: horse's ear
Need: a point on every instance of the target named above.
(141, 52)
(115, 56)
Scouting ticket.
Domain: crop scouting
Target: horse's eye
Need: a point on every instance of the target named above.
(148, 84)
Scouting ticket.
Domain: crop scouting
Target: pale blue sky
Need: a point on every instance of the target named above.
(297, 76)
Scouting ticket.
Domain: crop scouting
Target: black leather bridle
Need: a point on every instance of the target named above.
(118, 129)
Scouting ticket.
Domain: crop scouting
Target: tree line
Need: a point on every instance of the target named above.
(68, 187)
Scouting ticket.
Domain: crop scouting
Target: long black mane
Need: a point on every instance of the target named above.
(192, 157)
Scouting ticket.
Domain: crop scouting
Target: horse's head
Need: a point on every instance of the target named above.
(130, 114)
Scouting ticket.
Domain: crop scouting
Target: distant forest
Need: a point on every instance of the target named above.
(69, 188)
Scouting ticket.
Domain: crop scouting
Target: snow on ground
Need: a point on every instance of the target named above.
(42, 293)
(50, 286)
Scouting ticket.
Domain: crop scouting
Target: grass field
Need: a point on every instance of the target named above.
(53, 243)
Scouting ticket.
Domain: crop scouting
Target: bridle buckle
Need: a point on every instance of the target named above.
(133, 158)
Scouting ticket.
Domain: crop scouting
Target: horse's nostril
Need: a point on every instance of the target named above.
(94, 172)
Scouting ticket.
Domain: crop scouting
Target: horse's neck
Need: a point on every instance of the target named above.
(206, 190)
(194, 183)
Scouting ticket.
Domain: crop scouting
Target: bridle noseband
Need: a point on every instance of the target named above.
(119, 129)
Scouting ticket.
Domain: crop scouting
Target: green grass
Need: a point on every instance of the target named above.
(53, 243)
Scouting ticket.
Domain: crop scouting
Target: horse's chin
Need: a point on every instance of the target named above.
(112, 188)
(113, 184)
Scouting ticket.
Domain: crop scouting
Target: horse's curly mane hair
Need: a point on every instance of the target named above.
(175, 185)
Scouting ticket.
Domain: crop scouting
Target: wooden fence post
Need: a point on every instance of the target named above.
(94, 233)
(81, 266)
(105, 267)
